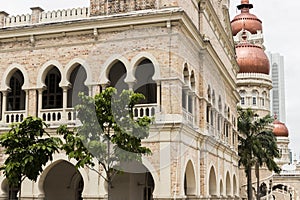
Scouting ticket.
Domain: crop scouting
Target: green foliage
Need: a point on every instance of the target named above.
(108, 131)
(27, 150)
(257, 144)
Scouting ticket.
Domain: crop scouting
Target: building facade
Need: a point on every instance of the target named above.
(260, 83)
(278, 83)
(179, 54)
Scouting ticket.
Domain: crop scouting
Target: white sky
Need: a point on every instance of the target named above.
(280, 29)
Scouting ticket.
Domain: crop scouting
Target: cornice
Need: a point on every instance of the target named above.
(226, 38)
(118, 21)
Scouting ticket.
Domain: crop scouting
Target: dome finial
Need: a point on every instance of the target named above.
(245, 6)
(275, 116)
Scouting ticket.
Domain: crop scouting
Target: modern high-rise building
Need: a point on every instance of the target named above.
(278, 91)
(180, 54)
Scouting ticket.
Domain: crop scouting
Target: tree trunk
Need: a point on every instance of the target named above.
(249, 184)
(257, 183)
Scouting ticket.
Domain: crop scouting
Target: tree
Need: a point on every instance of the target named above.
(108, 132)
(27, 151)
(257, 145)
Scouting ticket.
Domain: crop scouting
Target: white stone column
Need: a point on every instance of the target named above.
(158, 93)
(40, 102)
(65, 101)
(26, 103)
(4, 103)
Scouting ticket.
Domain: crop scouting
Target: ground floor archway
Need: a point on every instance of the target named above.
(136, 183)
(63, 182)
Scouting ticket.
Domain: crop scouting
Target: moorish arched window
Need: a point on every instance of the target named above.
(145, 84)
(16, 96)
(117, 75)
(77, 78)
(53, 95)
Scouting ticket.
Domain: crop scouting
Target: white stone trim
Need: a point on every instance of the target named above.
(8, 74)
(40, 83)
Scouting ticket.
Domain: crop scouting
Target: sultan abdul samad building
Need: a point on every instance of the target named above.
(181, 54)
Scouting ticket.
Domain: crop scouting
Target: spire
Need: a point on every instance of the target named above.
(245, 6)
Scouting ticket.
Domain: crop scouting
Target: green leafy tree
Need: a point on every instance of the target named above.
(257, 145)
(109, 134)
(28, 148)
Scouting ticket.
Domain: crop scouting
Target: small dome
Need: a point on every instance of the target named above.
(252, 59)
(245, 20)
(280, 130)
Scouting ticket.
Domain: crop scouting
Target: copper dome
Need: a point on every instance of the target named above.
(280, 130)
(252, 59)
(245, 20)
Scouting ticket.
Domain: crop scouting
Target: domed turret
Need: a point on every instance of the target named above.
(252, 58)
(280, 130)
(245, 20)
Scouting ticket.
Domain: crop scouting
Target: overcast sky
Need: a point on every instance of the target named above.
(281, 35)
(280, 20)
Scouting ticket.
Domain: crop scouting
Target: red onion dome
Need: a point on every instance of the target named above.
(245, 20)
(280, 130)
(252, 59)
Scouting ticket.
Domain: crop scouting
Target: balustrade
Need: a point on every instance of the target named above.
(142, 110)
(14, 116)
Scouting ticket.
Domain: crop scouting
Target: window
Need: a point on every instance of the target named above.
(242, 100)
(116, 76)
(145, 84)
(16, 96)
(77, 78)
(254, 97)
(184, 94)
(254, 101)
(52, 96)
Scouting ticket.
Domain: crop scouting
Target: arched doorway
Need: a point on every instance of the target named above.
(189, 180)
(212, 180)
(228, 185)
(63, 182)
(134, 183)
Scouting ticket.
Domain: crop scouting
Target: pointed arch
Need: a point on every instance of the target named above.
(221, 187)
(228, 184)
(8, 73)
(212, 181)
(104, 79)
(44, 71)
(193, 80)
(16, 97)
(189, 179)
(234, 185)
(50, 165)
(72, 65)
(154, 174)
(76, 79)
(145, 84)
(145, 55)
(185, 74)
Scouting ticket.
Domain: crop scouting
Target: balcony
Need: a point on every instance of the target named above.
(142, 110)
(69, 116)
(14, 116)
(188, 117)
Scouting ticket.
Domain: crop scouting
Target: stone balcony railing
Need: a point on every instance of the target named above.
(188, 117)
(14, 116)
(141, 110)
